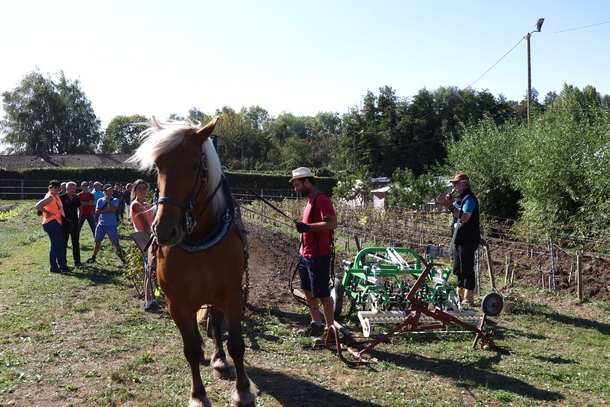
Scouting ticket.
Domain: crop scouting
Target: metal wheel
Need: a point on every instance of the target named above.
(492, 304)
(336, 293)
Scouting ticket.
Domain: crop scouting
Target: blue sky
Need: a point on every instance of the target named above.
(161, 57)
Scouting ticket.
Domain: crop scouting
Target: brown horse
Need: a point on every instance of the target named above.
(201, 255)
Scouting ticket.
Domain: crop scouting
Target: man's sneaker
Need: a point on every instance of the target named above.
(78, 264)
(65, 269)
(123, 262)
(91, 259)
(313, 330)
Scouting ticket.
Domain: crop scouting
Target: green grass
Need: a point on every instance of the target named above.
(81, 339)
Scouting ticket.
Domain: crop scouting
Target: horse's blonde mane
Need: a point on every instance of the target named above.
(162, 137)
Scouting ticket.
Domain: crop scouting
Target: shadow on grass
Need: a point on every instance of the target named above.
(543, 311)
(293, 392)
(468, 375)
(256, 330)
(98, 274)
(504, 332)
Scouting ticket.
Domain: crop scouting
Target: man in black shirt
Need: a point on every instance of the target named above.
(71, 204)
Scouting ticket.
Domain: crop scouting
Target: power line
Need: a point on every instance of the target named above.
(485, 73)
(579, 28)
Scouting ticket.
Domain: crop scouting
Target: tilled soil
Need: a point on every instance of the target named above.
(273, 257)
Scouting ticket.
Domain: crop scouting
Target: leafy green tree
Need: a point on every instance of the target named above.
(197, 116)
(51, 115)
(325, 131)
(353, 187)
(232, 130)
(423, 123)
(122, 134)
(296, 152)
(565, 156)
(255, 144)
(487, 153)
(408, 190)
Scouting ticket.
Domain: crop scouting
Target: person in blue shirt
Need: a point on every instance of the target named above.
(465, 211)
(97, 195)
(105, 208)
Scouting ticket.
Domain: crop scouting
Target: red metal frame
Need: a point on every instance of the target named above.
(411, 323)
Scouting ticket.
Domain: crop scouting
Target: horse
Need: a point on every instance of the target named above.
(201, 255)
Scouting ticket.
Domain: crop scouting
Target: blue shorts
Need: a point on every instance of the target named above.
(315, 275)
(111, 231)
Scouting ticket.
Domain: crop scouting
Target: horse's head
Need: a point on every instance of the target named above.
(188, 169)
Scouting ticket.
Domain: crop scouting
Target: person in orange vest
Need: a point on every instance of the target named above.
(52, 211)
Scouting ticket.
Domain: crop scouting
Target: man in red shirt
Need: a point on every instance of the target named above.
(319, 220)
(87, 206)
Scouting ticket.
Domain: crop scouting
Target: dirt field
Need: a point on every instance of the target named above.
(273, 256)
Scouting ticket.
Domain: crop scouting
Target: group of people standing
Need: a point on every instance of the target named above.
(101, 206)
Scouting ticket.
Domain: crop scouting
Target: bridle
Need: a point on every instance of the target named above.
(190, 220)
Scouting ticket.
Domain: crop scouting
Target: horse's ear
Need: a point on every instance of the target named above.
(207, 131)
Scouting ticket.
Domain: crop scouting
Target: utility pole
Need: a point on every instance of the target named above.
(529, 67)
(529, 77)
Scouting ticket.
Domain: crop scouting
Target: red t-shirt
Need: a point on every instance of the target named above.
(86, 197)
(322, 208)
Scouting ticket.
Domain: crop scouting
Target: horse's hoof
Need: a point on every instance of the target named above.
(200, 402)
(223, 374)
(247, 402)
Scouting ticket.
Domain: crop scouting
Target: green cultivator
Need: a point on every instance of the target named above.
(388, 286)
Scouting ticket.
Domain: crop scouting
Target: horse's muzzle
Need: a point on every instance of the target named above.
(168, 235)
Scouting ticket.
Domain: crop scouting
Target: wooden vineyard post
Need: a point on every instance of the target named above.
(508, 262)
(488, 257)
(579, 276)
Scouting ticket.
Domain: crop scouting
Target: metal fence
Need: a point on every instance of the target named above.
(17, 189)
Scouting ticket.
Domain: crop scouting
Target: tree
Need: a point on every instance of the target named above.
(407, 189)
(486, 152)
(122, 134)
(54, 116)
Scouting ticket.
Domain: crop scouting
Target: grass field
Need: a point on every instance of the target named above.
(81, 339)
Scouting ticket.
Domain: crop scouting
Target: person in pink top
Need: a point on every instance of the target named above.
(316, 229)
(52, 211)
(142, 217)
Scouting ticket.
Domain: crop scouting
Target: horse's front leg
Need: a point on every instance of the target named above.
(191, 339)
(245, 391)
(218, 360)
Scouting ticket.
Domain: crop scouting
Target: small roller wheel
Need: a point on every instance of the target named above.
(492, 304)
